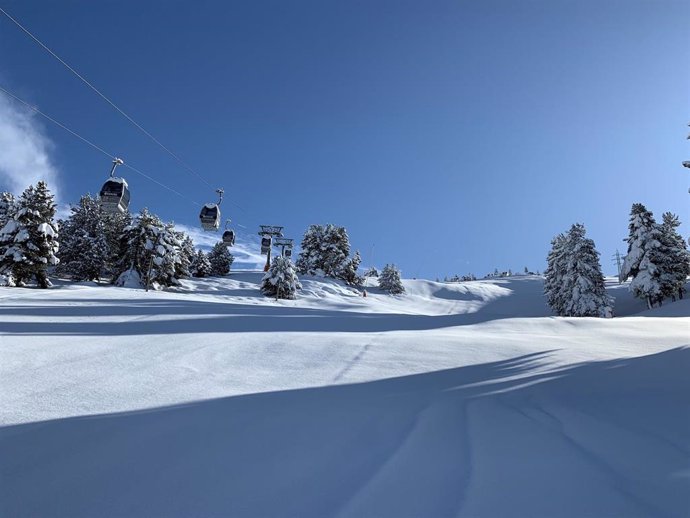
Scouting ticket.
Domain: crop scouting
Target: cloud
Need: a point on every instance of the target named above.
(245, 250)
(24, 150)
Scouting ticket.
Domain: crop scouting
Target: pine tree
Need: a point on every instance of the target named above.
(150, 252)
(325, 251)
(221, 259)
(281, 279)
(389, 280)
(349, 272)
(187, 254)
(553, 275)
(84, 249)
(583, 283)
(8, 208)
(373, 272)
(200, 267)
(114, 225)
(29, 240)
(643, 261)
(675, 258)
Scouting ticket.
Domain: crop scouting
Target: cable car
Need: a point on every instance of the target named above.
(210, 214)
(288, 252)
(265, 245)
(114, 195)
(228, 235)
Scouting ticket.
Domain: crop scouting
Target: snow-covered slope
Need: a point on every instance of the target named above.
(450, 400)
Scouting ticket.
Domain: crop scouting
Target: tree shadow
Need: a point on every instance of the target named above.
(496, 439)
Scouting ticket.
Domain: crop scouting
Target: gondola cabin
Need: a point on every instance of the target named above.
(229, 237)
(265, 245)
(114, 195)
(288, 252)
(210, 216)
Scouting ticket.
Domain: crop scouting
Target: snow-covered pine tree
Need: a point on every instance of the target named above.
(187, 254)
(389, 280)
(583, 288)
(150, 247)
(84, 249)
(115, 224)
(643, 261)
(281, 279)
(372, 272)
(221, 259)
(166, 257)
(29, 240)
(349, 272)
(200, 267)
(553, 275)
(8, 207)
(675, 259)
(325, 251)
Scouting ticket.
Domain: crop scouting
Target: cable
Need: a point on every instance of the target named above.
(96, 147)
(104, 97)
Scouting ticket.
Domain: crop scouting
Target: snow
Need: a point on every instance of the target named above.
(463, 399)
(117, 179)
(47, 230)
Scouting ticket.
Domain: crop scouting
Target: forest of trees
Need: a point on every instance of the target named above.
(142, 250)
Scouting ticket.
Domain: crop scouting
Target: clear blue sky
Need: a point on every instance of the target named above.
(452, 136)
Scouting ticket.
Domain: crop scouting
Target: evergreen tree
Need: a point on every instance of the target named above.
(200, 267)
(8, 208)
(84, 249)
(643, 261)
(372, 272)
(221, 259)
(281, 279)
(389, 280)
(114, 225)
(553, 275)
(583, 282)
(675, 259)
(325, 251)
(29, 240)
(150, 252)
(349, 272)
(187, 254)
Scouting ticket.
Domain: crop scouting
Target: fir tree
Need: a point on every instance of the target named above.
(8, 208)
(643, 261)
(553, 275)
(200, 267)
(281, 279)
(187, 254)
(150, 252)
(84, 249)
(325, 251)
(221, 259)
(114, 225)
(675, 259)
(583, 283)
(29, 240)
(372, 272)
(349, 271)
(389, 280)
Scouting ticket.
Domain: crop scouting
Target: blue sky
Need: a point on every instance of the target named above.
(448, 137)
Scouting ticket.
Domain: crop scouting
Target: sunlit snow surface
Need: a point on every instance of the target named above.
(451, 400)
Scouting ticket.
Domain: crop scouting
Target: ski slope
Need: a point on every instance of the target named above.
(465, 400)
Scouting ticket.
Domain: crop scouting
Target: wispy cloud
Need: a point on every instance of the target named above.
(245, 250)
(24, 150)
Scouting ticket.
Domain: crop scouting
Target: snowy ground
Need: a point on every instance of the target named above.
(452, 400)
